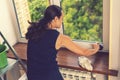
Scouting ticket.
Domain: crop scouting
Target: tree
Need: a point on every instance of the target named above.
(83, 19)
(37, 8)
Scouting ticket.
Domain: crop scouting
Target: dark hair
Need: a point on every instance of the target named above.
(37, 28)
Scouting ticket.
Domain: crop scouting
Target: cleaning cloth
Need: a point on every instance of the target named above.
(85, 63)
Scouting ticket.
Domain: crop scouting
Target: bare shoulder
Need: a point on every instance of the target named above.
(60, 40)
(64, 37)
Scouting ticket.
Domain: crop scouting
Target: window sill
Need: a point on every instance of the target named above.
(67, 59)
(100, 62)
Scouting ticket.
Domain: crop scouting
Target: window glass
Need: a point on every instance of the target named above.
(28, 10)
(83, 19)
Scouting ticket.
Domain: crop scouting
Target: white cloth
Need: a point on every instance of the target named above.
(85, 63)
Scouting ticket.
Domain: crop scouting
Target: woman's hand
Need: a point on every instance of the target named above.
(95, 48)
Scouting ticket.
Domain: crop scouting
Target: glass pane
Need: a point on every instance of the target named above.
(83, 19)
(28, 10)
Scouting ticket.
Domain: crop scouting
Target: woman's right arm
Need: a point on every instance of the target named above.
(65, 41)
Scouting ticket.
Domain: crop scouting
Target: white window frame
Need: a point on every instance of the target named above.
(17, 28)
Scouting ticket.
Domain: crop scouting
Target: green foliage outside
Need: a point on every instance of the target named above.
(37, 8)
(82, 18)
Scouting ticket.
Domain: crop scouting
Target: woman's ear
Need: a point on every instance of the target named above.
(56, 18)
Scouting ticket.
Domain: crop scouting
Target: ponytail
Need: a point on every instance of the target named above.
(36, 28)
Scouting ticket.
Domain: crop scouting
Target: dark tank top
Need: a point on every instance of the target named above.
(41, 57)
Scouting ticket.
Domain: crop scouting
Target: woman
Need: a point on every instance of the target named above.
(44, 41)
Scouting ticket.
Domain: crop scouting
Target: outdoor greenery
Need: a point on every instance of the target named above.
(37, 8)
(82, 18)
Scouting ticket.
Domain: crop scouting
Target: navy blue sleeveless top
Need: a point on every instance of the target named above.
(41, 58)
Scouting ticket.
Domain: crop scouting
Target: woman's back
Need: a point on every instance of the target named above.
(42, 57)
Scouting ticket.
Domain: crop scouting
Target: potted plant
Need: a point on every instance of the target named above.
(3, 56)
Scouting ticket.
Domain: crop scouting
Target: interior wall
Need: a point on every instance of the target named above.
(114, 37)
(6, 22)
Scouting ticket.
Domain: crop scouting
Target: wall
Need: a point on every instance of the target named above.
(8, 25)
(6, 22)
(114, 37)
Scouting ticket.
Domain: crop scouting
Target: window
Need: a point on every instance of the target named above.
(28, 10)
(83, 19)
(87, 20)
